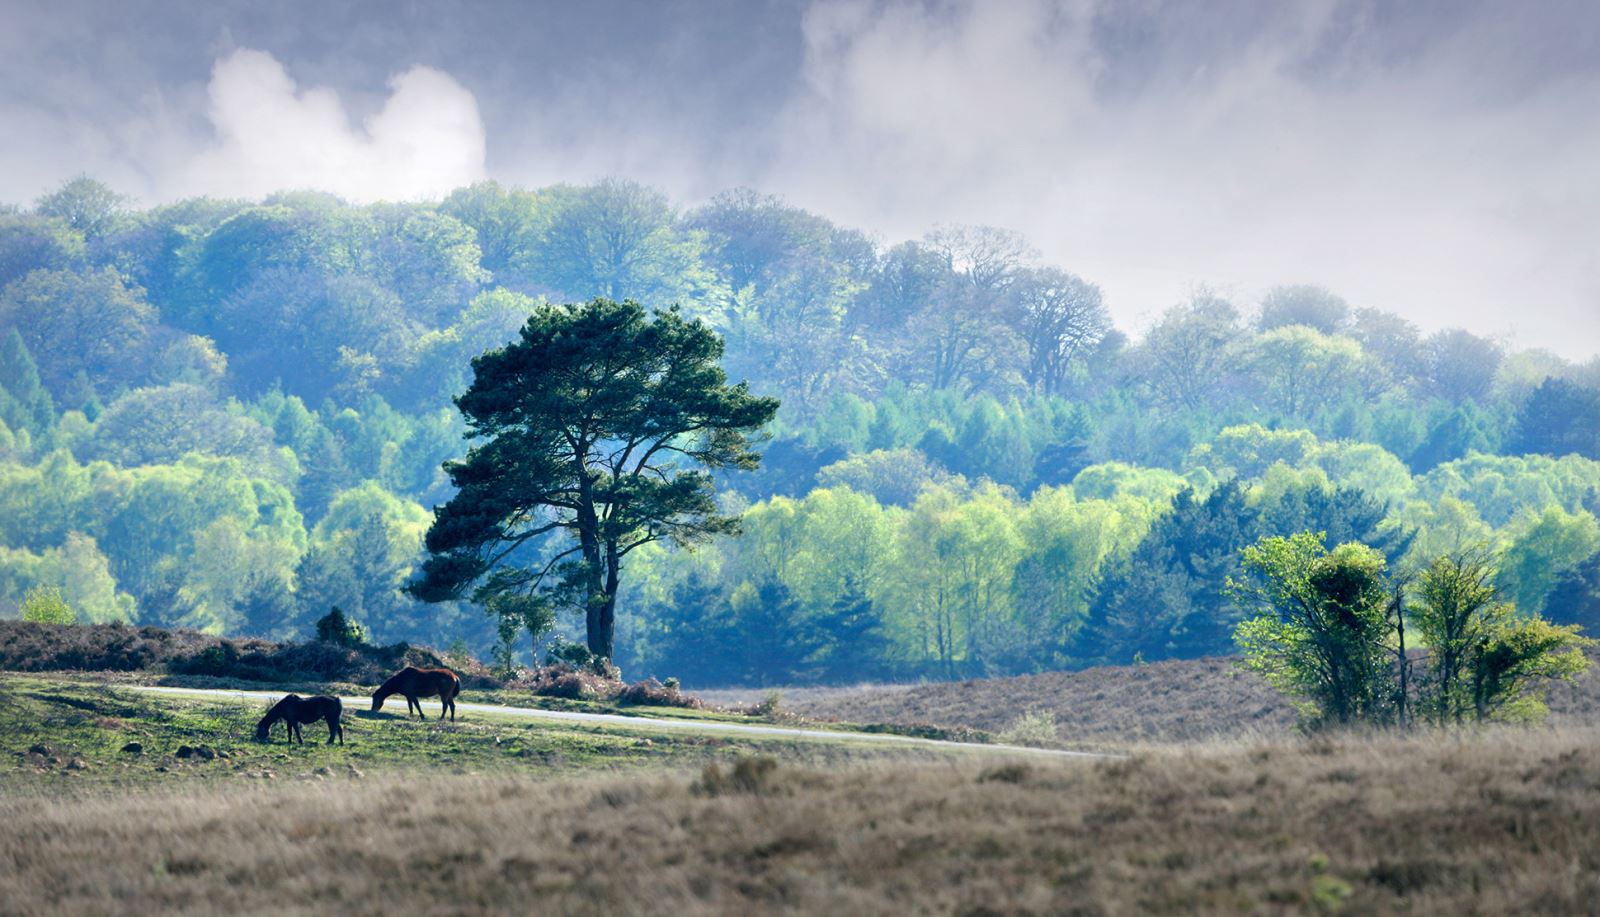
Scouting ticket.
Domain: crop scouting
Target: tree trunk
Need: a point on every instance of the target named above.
(602, 637)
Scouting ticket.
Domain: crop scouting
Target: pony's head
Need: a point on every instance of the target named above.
(378, 698)
(262, 727)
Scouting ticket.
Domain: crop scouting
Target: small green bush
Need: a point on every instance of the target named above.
(44, 605)
(339, 630)
(1036, 727)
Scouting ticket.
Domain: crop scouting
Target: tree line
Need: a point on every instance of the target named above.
(235, 414)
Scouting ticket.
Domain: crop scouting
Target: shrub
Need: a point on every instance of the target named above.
(652, 693)
(44, 605)
(1036, 728)
(337, 629)
(573, 683)
(769, 704)
(577, 656)
(30, 647)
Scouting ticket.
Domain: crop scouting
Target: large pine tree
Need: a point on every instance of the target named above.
(600, 423)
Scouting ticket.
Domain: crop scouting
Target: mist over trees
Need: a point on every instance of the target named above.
(234, 415)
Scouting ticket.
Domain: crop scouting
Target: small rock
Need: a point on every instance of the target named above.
(354, 771)
(161, 768)
(77, 764)
(322, 772)
(42, 751)
(185, 751)
(134, 748)
(223, 754)
(204, 753)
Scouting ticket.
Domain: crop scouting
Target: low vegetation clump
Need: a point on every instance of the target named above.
(603, 684)
(1036, 727)
(44, 605)
(27, 646)
(652, 693)
(571, 682)
(1495, 822)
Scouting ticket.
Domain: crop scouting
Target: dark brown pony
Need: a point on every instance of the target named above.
(295, 710)
(414, 683)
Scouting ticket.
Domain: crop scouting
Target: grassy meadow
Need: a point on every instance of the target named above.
(62, 734)
(570, 822)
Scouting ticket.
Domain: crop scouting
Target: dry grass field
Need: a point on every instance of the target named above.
(1176, 701)
(1504, 822)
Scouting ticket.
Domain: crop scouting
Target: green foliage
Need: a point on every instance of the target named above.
(87, 332)
(1318, 626)
(77, 569)
(85, 205)
(25, 405)
(1559, 418)
(581, 426)
(1575, 598)
(1548, 545)
(1484, 658)
(1035, 728)
(193, 389)
(1308, 306)
(1301, 370)
(30, 242)
(339, 630)
(619, 240)
(44, 605)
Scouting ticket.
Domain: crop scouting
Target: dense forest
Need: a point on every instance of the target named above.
(232, 415)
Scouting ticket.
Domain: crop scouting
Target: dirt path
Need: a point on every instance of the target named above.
(637, 723)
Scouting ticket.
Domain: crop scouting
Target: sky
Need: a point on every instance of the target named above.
(1436, 158)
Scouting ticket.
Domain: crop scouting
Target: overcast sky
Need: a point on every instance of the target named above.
(1440, 159)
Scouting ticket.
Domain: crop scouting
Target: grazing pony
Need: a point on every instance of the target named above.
(414, 683)
(295, 710)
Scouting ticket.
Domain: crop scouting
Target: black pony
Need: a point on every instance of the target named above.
(414, 683)
(295, 710)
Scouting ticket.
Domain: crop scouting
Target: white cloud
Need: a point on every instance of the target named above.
(1435, 159)
(270, 134)
(1415, 182)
